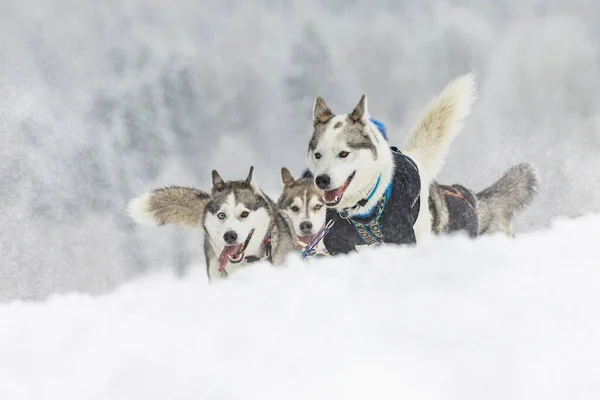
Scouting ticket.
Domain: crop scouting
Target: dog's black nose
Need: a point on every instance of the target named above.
(306, 226)
(322, 181)
(230, 237)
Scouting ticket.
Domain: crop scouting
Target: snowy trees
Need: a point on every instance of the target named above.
(311, 70)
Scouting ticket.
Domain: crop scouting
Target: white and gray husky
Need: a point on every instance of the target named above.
(492, 210)
(241, 224)
(378, 189)
(303, 203)
(361, 176)
(373, 192)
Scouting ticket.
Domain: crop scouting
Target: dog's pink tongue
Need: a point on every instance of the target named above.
(331, 195)
(306, 239)
(227, 251)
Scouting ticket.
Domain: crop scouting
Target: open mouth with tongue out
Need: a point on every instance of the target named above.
(234, 253)
(306, 239)
(333, 197)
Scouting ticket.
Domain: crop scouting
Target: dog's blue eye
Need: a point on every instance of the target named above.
(317, 155)
(318, 207)
(343, 154)
(221, 215)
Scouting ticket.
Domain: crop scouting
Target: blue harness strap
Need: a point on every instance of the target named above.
(370, 231)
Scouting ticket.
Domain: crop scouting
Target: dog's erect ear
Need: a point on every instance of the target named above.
(360, 112)
(286, 176)
(250, 178)
(217, 181)
(321, 111)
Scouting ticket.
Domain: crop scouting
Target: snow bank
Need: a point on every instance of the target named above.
(452, 319)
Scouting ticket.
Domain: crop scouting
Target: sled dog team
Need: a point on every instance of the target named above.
(359, 191)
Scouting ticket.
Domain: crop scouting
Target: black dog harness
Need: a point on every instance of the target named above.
(462, 209)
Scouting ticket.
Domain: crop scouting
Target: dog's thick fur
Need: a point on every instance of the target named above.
(351, 153)
(495, 208)
(432, 135)
(233, 206)
(499, 204)
(177, 205)
(303, 203)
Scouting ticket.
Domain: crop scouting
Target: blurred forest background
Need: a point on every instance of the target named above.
(102, 101)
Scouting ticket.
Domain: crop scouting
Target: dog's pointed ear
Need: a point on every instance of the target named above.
(360, 112)
(321, 112)
(250, 178)
(286, 176)
(217, 181)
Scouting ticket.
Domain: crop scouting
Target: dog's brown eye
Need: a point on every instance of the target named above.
(294, 209)
(244, 214)
(318, 207)
(317, 155)
(343, 154)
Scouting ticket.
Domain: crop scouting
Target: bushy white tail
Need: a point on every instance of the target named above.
(432, 135)
(176, 205)
(430, 138)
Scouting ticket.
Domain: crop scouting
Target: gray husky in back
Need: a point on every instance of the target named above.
(500, 203)
(241, 224)
(493, 210)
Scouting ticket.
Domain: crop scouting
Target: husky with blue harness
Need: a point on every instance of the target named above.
(374, 192)
(453, 208)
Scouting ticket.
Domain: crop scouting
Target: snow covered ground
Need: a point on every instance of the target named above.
(452, 319)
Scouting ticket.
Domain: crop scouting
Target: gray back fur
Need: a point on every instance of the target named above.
(283, 236)
(440, 216)
(499, 204)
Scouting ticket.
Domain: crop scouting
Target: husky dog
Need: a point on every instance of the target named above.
(456, 208)
(303, 203)
(489, 211)
(373, 192)
(241, 224)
